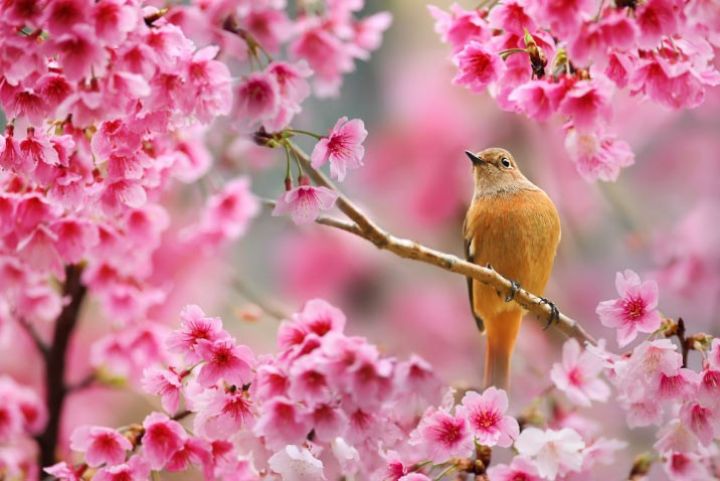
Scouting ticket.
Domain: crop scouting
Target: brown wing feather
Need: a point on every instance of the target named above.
(469, 258)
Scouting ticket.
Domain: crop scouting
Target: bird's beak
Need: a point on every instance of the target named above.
(474, 158)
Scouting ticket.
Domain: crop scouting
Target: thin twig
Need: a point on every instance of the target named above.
(408, 249)
(84, 383)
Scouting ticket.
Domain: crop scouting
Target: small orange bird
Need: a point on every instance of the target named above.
(513, 227)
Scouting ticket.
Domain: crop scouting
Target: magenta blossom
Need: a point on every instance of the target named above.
(634, 311)
(577, 375)
(225, 360)
(305, 202)
(100, 445)
(443, 436)
(342, 147)
(485, 414)
(520, 469)
(478, 67)
(162, 439)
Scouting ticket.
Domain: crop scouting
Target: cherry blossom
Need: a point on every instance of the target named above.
(485, 414)
(305, 202)
(100, 445)
(342, 147)
(577, 375)
(556, 453)
(634, 311)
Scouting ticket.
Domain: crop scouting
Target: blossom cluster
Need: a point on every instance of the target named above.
(325, 405)
(653, 383)
(572, 58)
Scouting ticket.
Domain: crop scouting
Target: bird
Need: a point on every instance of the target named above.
(513, 227)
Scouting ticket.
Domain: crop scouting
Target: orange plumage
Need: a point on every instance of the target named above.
(513, 226)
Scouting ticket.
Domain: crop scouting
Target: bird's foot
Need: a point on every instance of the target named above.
(514, 288)
(554, 312)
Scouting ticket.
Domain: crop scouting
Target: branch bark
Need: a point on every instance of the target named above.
(364, 227)
(55, 387)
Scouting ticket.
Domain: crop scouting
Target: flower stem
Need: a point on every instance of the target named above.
(304, 132)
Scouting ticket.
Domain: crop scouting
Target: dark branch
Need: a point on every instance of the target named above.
(55, 388)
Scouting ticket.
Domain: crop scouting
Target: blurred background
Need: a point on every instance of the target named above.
(661, 219)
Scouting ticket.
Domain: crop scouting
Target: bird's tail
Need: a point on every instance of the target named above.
(502, 331)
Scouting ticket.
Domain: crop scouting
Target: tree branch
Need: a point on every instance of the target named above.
(364, 227)
(269, 306)
(55, 388)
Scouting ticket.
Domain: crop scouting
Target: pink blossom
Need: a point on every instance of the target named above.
(703, 421)
(680, 386)
(655, 19)
(79, 55)
(634, 311)
(37, 148)
(326, 55)
(538, 99)
(328, 421)
(685, 467)
(162, 439)
(257, 99)
(442, 436)
(224, 360)
(342, 147)
(64, 472)
(113, 20)
(415, 477)
(221, 413)
(100, 445)
(587, 103)
(477, 67)
(512, 18)
(520, 469)
(676, 436)
(229, 212)
(296, 464)
(164, 383)
(555, 453)
(460, 26)
(195, 451)
(485, 414)
(578, 375)
(194, 327)
(136, 469)
(305, 202)
(282, 422)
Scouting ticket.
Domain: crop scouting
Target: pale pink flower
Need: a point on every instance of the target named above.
(477, 67)
(538, 99)
(320, 317)
(714, 354)
(221, 413)
(308, 382)
(257, 99)
(486, 418)
(328, 57)
(296, 464)
(224, 360)
(555, 453)
(229, 212)
(587, 103)
(460, 26)
(328, 421)
(511, 17)
(136, 469)
(655, 19)
(442, 436)
(282, 422)
(704, 421)
(195, 451)
(676, 436)
(64, 472)
(78, 53)
(520, 469)
(305, 202)
(679, 386)
(634, 311)
(100, 445)
(686, 467)
(113, 20)
(164, 383)
(367, 33)
(709, 386)
(194, 327)
(578, 375)
(342, 147)
(37, 148)
(415, 477)
(162, 439)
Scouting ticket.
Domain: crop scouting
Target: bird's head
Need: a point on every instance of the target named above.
(495, 170)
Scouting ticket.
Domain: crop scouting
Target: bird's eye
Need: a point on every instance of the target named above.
(505, 162)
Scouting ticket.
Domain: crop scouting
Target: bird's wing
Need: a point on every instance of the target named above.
(469, 256)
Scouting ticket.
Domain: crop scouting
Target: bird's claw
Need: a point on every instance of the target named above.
(554, 313)
(514, 288)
